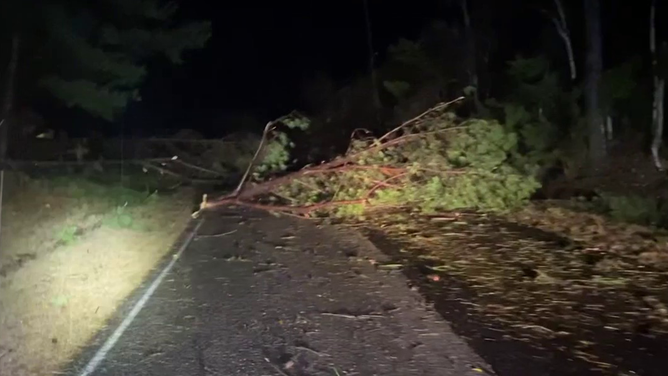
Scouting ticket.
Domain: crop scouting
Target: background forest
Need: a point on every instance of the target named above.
(510, 148)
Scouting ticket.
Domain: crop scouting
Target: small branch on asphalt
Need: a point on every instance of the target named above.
(353, 317)
(286, 209)
(217, 235)
(276, 368)
(311, 351)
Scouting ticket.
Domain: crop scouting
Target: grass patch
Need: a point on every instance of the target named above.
(73, 248)
(119, 206)
(68, 235)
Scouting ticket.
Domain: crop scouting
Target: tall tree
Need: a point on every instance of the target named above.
(471, 55)
(94, 55)
(102, 50)
(561, 25)
(8, 100)
(375, 95)
(659, 90)
(593, 72)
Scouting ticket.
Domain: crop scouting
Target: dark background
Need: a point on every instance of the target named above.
(261, 52)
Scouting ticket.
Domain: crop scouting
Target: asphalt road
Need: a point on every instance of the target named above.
(253, 294)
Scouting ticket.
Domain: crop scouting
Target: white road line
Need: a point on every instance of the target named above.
(111, 341)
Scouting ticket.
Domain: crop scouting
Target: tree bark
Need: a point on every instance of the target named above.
(597, 149)
(659, 92)
(471, 56)
(564, 32)
(9, 97)
(375, 96)
(256, 157)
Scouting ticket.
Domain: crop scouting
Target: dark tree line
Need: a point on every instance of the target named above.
(581, 98)
(92, 56)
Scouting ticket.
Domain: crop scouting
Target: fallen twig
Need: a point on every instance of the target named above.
(311, 351)
(304, 210)
(352, 317)
(166, 171)
(195, 167)
(15, 164)
(413, 120)
(188, 141)
(268, 128)
(388, 170)
(217, 235)
(382, 183)
(275, 367)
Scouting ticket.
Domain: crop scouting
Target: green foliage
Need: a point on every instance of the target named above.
(499, 191)
(277, 152)
(276, 157)
(397, 88)
(68, 235)
(118, 205)
(485, 145)
(295, 120)
(438, 165)
(234, 156)
(635, 209)
(113, 194)
(619, 83)
(101, 49)
(409, 53)
(104, 102)
(540, 112)
(625, 96)
(536, 87)
(537, 136)
(122, 217)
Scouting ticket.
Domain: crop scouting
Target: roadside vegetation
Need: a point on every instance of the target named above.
(75, 246)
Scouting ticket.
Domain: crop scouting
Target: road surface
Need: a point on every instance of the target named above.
(253, 294)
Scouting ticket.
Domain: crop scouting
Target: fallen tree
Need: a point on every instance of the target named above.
(432, 162)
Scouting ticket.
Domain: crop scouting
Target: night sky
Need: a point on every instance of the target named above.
(261, 52)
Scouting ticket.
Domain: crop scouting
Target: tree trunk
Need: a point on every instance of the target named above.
(659, 92)
(9, 97)
(6, 113)
(564, 32)
(471, 56)
(597, 149)
(375, 95)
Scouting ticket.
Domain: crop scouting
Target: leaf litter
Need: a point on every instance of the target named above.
(547, 275)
